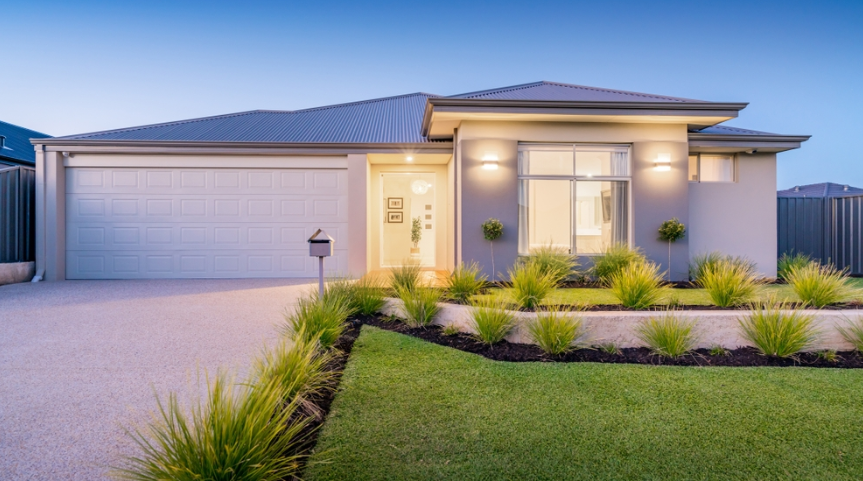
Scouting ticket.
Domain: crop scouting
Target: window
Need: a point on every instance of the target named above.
(574, 197)
(712, 168)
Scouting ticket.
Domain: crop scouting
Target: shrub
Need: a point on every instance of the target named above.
(776, 331)
(704, 262)
(614, 259)
(788, 263)
(339, 292)
(420, 305)
(405, 277)
(529, 285)
(729, 282)
(609, 348)
(556, 333)
(638, 285)
(555, 261)
(318, 320)
(465, 282)
(246, 435)
(717, 350)
(491, 321)
(368, 295)
(668, 335)
(853, 333)
(819, 285)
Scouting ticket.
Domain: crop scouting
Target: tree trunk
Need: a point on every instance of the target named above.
(669, 261)
(493, 274)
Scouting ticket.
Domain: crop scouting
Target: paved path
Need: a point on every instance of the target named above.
(79, 360)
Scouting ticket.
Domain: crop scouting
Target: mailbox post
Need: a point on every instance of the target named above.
(320, 246)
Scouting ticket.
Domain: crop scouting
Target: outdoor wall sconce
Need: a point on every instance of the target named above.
(489, 162)
(663, 163)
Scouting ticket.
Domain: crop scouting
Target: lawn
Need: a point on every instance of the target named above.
(696, 297)
(408, 409)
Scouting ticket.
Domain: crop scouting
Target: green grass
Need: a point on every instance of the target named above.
(694, 297)
(413, 410)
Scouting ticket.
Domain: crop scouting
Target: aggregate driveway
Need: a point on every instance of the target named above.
(80, 360)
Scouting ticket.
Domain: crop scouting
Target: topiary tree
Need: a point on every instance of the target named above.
(671, 231)
(416, 231)
(492, 229)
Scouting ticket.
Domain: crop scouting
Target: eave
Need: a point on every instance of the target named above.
(699, 142)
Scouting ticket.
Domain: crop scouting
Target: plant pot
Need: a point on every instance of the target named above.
(415, 251)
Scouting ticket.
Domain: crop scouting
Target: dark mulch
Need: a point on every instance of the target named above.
(506, 351)
(682, 307)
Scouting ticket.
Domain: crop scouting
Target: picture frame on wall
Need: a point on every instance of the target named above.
(395, 217)
(395, 203)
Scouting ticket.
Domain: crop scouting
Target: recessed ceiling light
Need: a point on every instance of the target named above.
(409, 159)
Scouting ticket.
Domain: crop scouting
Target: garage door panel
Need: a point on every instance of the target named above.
(175, 223)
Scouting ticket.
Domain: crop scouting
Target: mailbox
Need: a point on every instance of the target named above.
(320, 244)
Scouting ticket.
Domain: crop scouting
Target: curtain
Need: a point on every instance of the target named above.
(619, 163)
(619, 217)
(523, 219)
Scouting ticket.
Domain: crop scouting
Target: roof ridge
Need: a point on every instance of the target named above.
(359, 102)
(499, 89)
(623, 92)
(161, 124)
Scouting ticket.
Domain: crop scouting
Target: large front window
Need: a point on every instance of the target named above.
(573, 196)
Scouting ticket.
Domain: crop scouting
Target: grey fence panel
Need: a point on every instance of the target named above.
(17, 214)
(847, 233)
(801, 226)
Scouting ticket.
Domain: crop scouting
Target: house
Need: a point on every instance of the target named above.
(237, 195)
(823, 221)
(15, 146)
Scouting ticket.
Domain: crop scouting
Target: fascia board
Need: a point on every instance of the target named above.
(235, 148)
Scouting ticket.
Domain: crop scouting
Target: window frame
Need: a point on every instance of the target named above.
(573, 179)
(734, 168)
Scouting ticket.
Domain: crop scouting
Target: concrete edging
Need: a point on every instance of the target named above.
(15, 272)
(713, 327)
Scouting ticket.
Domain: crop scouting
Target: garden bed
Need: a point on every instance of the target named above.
(517, 352)
(678, 307)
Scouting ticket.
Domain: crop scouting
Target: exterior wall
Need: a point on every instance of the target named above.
(738, 218)
(656, 196)
(358, 219)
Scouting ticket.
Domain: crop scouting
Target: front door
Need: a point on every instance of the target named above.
(408, 227)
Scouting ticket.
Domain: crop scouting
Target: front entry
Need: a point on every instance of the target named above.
(408, 230)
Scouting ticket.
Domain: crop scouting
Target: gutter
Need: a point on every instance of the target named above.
(233, 148)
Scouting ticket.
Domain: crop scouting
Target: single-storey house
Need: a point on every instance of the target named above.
(408, 177)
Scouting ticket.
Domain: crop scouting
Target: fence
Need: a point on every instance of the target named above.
(827, 229)
(17, 214)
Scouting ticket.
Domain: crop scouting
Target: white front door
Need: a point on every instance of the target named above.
(408, 231)
(130, 223)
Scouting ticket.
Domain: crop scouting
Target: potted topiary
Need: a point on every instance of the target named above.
(416, 235)
(492, 229)
(671, 231)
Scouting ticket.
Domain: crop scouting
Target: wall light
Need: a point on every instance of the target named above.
(489, 161)
(663, 162)
(409, 158)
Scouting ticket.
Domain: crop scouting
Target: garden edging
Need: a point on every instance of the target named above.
(617, 327)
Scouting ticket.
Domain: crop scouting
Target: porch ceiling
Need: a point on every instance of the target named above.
(415, 159)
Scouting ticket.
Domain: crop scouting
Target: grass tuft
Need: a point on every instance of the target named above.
(788, 263)
(465, 282)
(450, 330)
(638, 285)
(819, 285)
(853, 332)
(668, 335)
(529, 285)
(717, 350)
(406, 277)
(556, 333)
(321, 320)
(368, 296)
(613, 260)
(491, 321)
(420, 305)
(729, 282)
(557, 262)
(777, 331)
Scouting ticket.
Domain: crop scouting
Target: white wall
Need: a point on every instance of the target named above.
(737, 218)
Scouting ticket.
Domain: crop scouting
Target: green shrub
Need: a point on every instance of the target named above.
(614, 259)
(777, 331)
(339, 292)
(405, 277)
(717, 350)
(420, 305)
(853, 333)
(465, 282)
(368, 296)
(788, 263)
(704, 262)
(555, 261)
(240, 433)
(529, 285)
(729, 283)
(609, 348)
(300, 368)
(668, 335)
(556, 333)
(819, 285)
(637, 285)
(491, 321)
(318, 320)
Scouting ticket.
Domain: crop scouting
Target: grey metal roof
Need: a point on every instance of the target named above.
(726, 130)
(17, 148)
(822, 190)
(386, 120)
(555, 91)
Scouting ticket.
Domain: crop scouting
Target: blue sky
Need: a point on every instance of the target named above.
(72, 68)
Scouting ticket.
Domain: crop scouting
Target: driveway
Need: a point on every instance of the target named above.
(80, 360)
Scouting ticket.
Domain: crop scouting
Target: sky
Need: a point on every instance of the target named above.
(75, 67)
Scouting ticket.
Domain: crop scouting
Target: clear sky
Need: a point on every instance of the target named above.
(74, 67)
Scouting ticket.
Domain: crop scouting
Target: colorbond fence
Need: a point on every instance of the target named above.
(827, 229)
(17, 214)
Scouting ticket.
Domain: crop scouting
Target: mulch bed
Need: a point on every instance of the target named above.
(682, 307)
(506, 351)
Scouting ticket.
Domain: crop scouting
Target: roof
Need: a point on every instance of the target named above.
(822, 190)
(727, 130)
(385, 120)
(17, 148)
(555, 91)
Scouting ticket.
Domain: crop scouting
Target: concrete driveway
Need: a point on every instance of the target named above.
(80, 360)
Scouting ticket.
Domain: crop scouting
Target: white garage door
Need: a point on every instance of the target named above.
(130, 223)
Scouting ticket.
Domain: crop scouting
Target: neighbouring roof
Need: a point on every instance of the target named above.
(822, 190)
(727, 130)
(554, 91)
(17, 148)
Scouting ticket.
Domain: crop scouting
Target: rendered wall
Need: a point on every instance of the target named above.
(738, 218)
